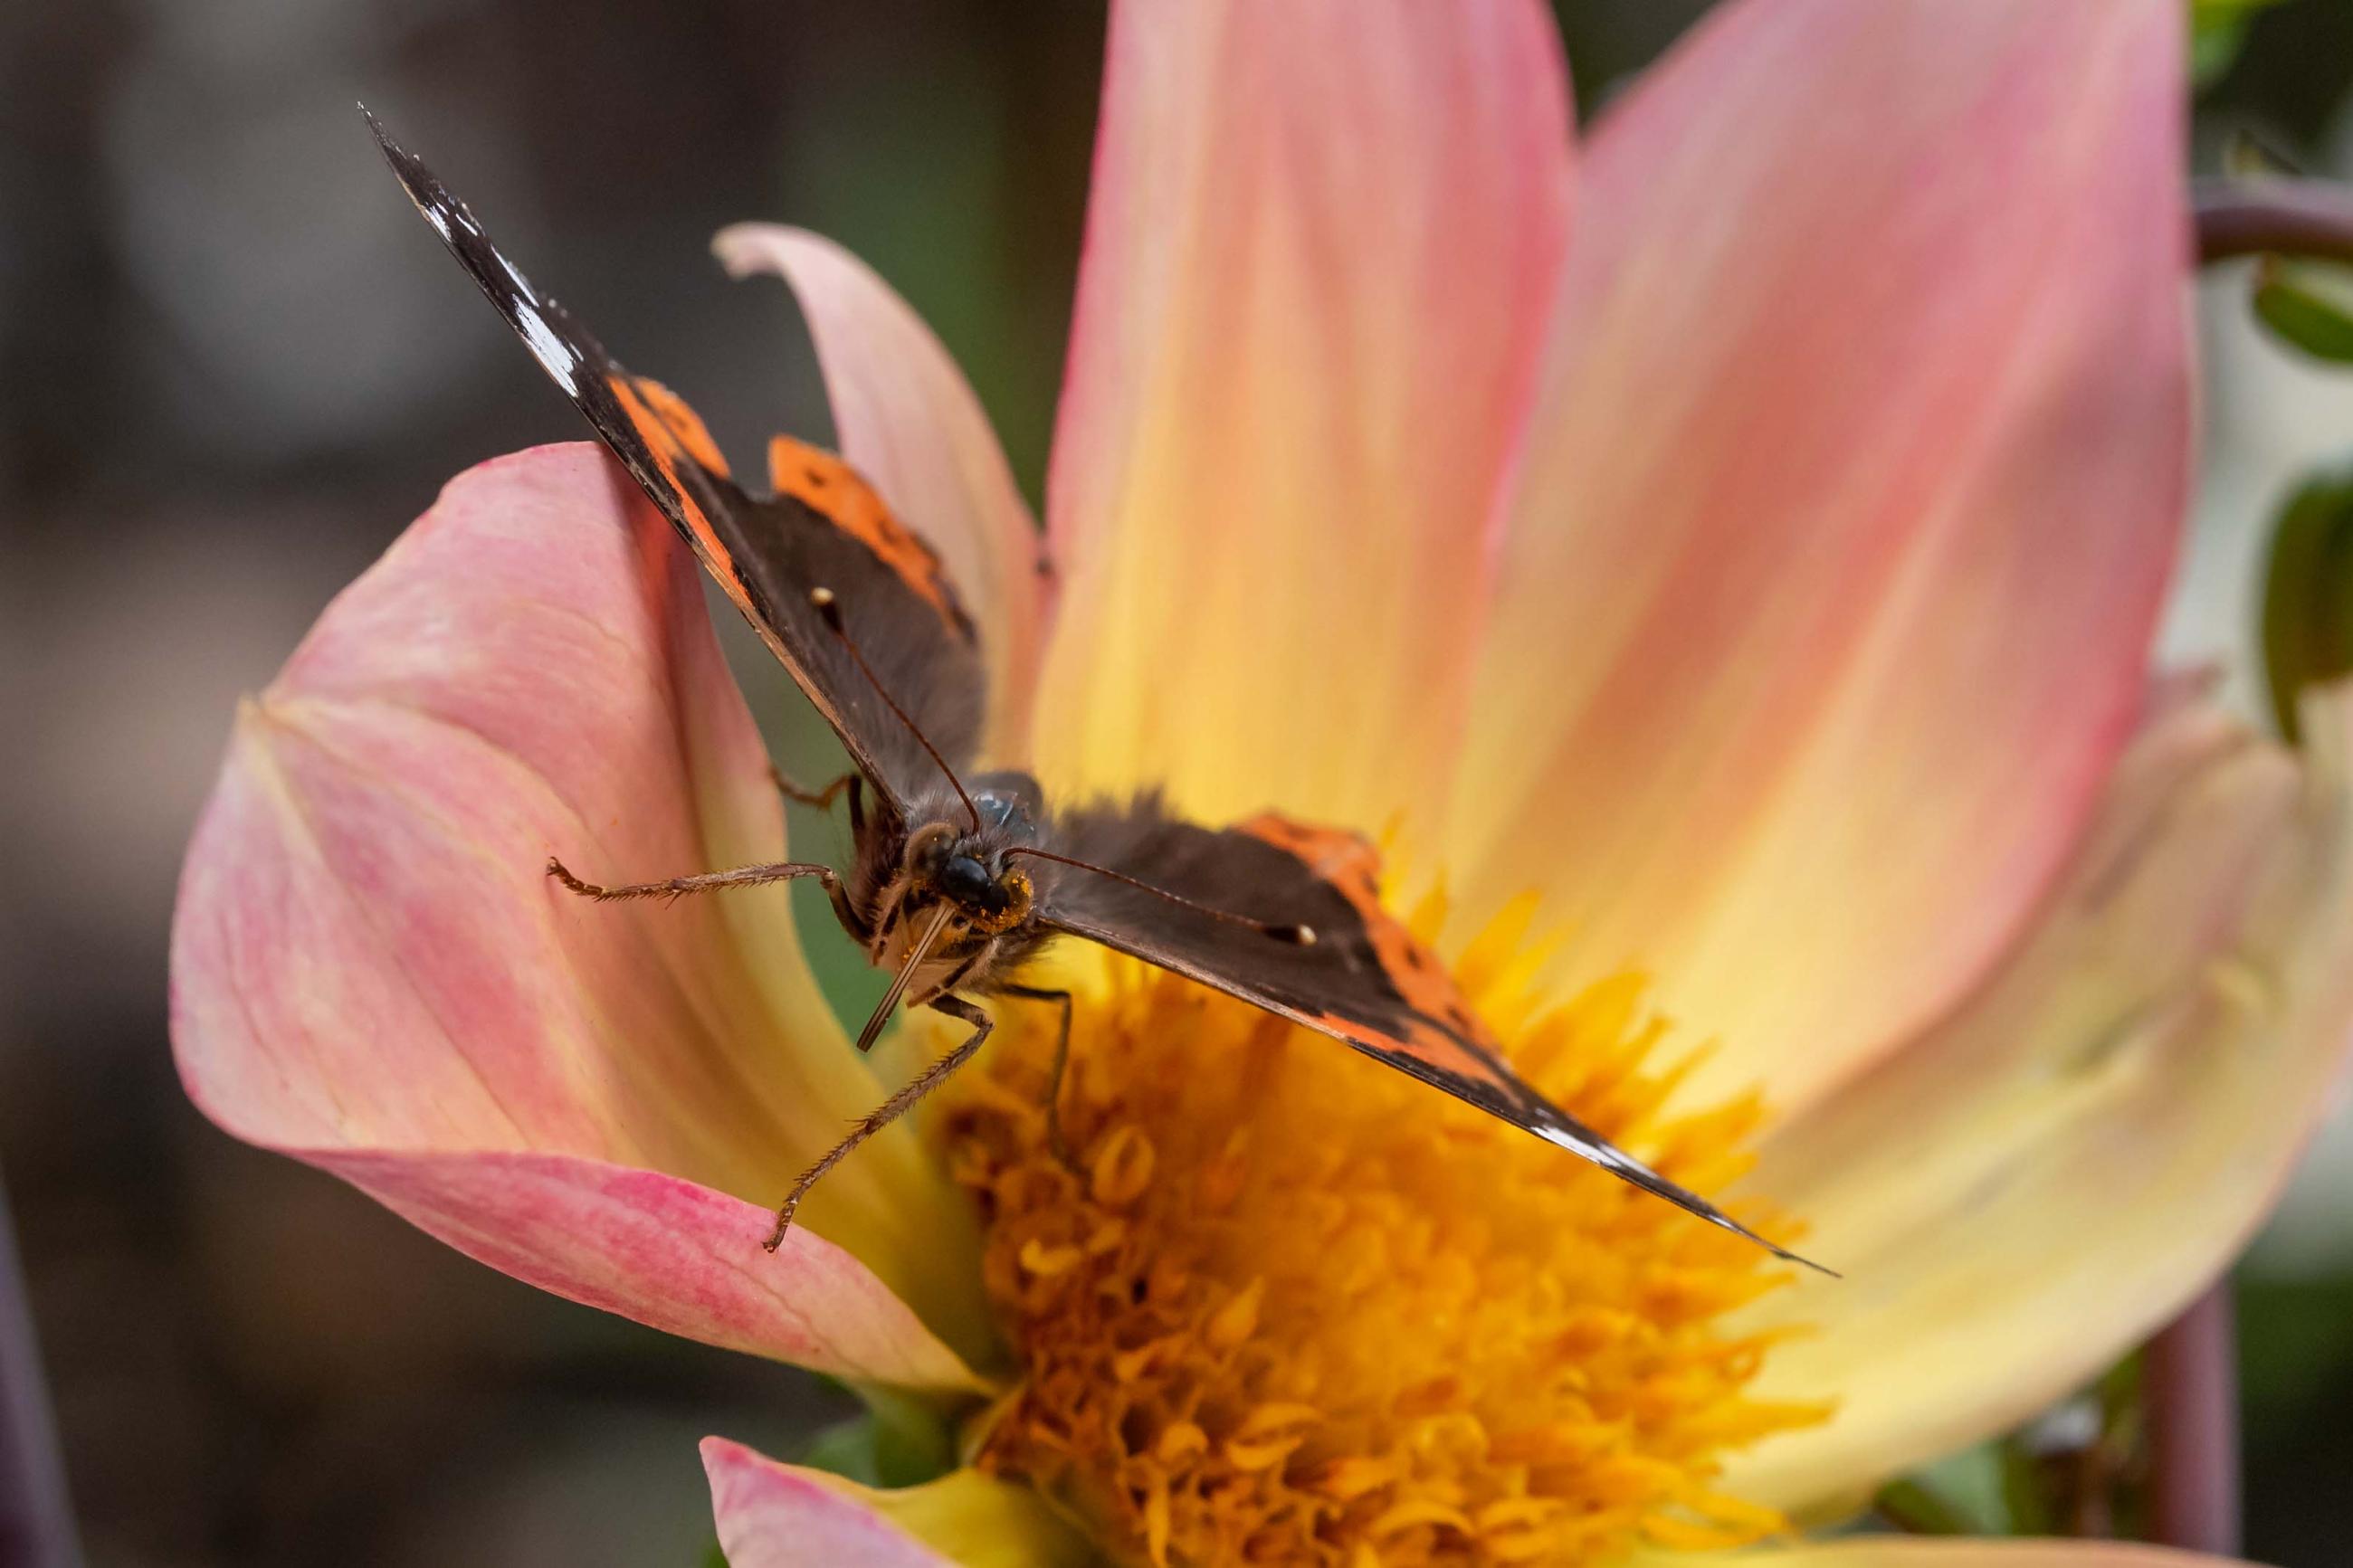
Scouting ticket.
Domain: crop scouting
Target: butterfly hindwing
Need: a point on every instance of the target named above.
(825, 527)
(1364, 979)
(921, 649)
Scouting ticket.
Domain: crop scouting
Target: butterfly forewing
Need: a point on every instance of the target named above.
(824, 527)
(1364, 979)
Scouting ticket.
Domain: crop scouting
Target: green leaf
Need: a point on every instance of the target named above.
(2308, 593)
(2214, 13)
(2295, 1346)
(713, 1557)
(2217, 28)
(2023, 1503)
(2247, 156)
(898, 1442)
(1961, 1494)
(2309, 304)
(1919, 1508)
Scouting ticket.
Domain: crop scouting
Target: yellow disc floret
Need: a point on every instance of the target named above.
(1282, 1305)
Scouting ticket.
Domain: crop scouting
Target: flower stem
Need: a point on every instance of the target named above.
(2273, 216)
(36, 1521)
(2189, 1376)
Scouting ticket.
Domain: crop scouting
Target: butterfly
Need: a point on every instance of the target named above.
(958, 879)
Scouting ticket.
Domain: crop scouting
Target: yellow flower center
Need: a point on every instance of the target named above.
(1286, 1306)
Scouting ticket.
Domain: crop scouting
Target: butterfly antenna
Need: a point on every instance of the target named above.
(828, 609)
(1297, 935)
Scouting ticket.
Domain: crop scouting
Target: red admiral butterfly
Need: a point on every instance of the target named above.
(958, 878)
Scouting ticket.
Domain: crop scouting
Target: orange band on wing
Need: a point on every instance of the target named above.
(1352, 866)
(836, 491)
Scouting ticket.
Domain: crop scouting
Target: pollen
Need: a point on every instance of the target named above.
(1274, 1303)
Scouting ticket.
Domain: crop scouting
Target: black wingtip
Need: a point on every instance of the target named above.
(1824, 1269)
(1556, 1127)
(396, 155)
(1692, 1203)
(1709, 1212)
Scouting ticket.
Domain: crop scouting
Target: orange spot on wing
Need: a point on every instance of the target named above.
(836, 493)
(1334, 854)
(670, 431)
(681, 424)
(1352, 866)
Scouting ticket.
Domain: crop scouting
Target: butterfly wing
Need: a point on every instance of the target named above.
(1364, 979)
(825, 527)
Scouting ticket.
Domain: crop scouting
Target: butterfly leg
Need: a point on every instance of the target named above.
(822, 799)
(708, 881)
(889, 1111)
(1054, 1138)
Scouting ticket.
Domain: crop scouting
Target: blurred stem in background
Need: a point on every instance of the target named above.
(2190, 1384)
(36, 1520)
(2308, 218)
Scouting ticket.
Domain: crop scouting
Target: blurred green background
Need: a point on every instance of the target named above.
(237, 365)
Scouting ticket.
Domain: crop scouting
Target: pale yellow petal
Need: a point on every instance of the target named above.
(1321, 240)
(1845, 516)
(2033, 1186)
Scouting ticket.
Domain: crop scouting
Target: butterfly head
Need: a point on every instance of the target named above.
(966, 867)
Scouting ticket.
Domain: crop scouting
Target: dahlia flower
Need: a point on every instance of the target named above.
(1718, 559)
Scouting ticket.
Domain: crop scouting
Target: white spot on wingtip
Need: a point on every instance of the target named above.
(547, 348)
(1600, 1153)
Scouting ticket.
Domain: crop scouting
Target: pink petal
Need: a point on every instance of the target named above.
(907, 419)
(1861, 448)
(372, 971)
(783, 1516)
(667, 1252)
(1321, 235)
(2029, 1190)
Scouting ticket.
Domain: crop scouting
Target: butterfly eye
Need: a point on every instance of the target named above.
(927, 849)
(966, 881)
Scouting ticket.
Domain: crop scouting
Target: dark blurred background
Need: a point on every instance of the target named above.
(237, 366)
